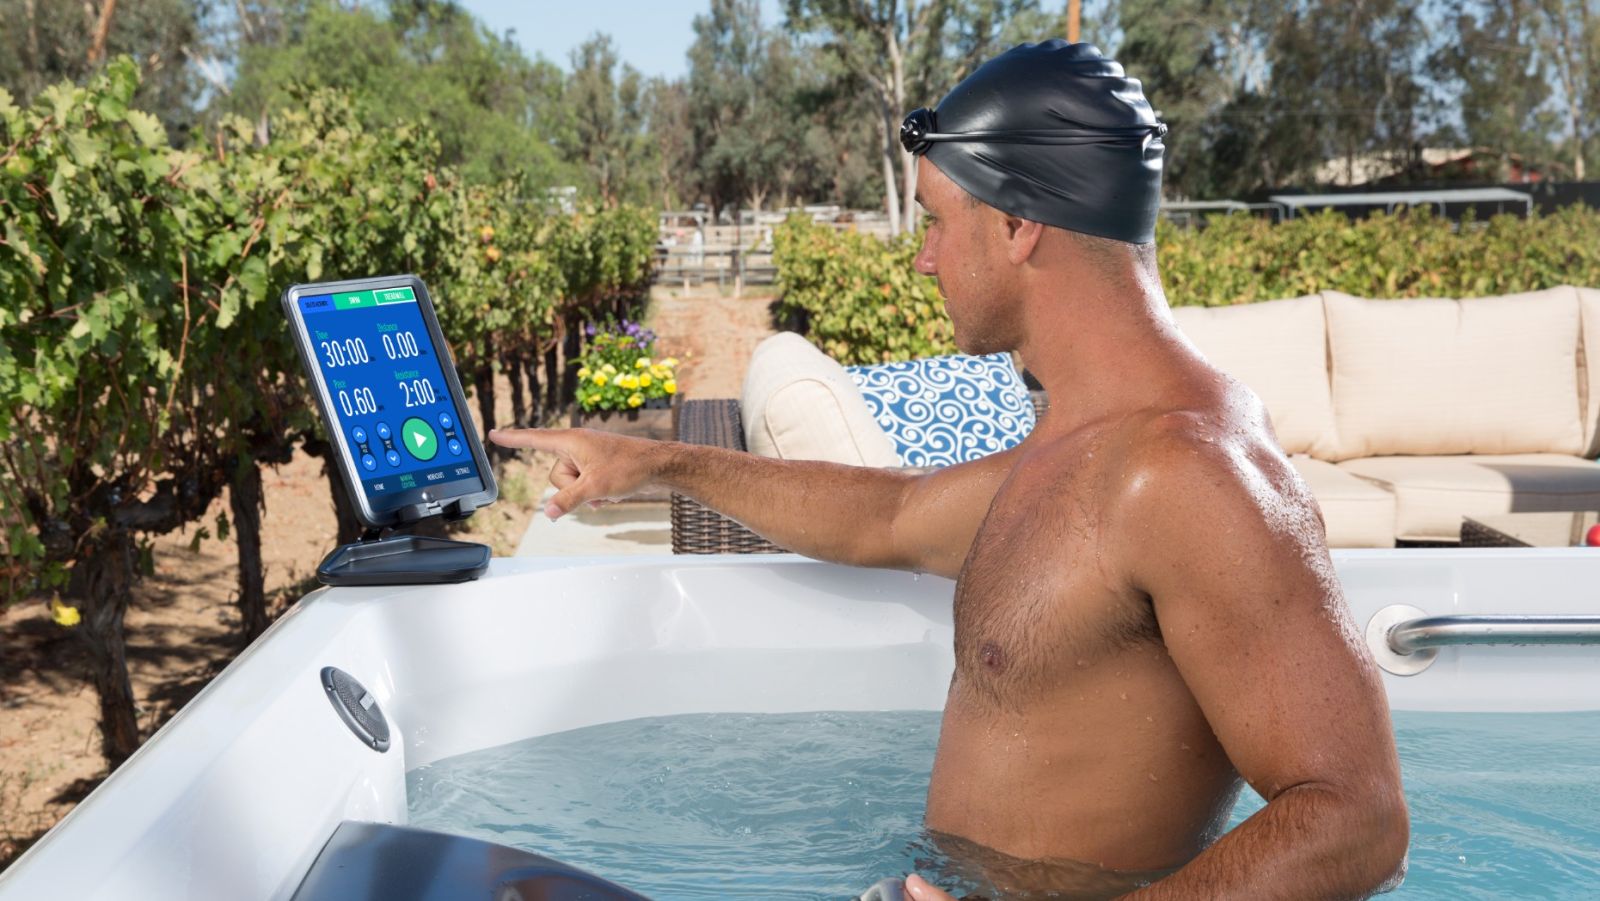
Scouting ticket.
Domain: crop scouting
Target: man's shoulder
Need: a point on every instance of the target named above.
(1206, 464)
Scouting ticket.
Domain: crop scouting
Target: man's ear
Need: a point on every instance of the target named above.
(1022, 236)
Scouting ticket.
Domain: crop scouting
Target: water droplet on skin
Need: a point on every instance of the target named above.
(1124, 696)
(1082, 662)
(1153, 778)
(993, 658)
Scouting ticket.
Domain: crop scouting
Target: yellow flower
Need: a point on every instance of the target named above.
(671, 385)
(486, 233)
(583, 372)
(635, 400)
(644, 380)
(629, 382)
(492, 254)
(64, 615)
(641, 363)
(609, 369)
(600, 378)
(670, 362)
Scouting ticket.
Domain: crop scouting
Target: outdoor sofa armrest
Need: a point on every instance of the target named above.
(697, 529)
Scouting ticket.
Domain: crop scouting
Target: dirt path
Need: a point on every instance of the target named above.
(712, 335)
(183, 626)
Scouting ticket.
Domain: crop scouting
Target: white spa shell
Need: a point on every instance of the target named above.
(237, 794)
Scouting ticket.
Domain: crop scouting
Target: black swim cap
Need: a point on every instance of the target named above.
(1052, 132)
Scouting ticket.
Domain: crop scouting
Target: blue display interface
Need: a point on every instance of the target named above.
(390, 397)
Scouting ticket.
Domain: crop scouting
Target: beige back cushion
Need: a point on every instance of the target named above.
(1589, 365)
(798, 404)
(1487, 375)
(1278, 349)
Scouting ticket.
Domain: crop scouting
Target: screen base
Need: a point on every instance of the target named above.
(404, 560)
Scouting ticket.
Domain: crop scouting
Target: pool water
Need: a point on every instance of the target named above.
(821, 805)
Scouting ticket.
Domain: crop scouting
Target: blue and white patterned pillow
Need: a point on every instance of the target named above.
(945, 410)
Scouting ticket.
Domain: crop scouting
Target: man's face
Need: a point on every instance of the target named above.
(964, 249)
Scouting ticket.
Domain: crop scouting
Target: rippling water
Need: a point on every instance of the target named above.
(821, 805)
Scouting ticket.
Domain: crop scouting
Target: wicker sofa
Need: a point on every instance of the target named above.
(1402, 416)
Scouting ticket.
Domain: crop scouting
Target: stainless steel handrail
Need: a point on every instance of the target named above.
(1478, 629)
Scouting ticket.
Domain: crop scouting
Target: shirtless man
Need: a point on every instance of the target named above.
(1145, 610)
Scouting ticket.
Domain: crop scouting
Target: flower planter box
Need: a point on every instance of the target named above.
(657, 419)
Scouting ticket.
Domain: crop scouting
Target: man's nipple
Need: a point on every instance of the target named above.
(992, 656)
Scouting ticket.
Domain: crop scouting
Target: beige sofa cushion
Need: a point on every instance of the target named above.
(1589, 366)
(798, 404)
(1433, 493)
(1490, 375)
(1279, 350)
(1356, 512)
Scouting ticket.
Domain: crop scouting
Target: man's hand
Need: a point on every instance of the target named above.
(592, 466)
(919, 889)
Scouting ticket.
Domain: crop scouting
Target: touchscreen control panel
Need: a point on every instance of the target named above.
(388, 396)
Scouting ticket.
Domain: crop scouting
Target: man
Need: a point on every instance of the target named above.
(1145, 610)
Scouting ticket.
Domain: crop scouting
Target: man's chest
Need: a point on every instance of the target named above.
(1040, 600)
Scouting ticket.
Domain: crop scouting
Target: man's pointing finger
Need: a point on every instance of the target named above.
(536, 439)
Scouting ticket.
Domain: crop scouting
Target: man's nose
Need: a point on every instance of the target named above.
(923, 262)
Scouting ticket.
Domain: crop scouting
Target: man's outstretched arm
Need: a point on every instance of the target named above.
(845, 514)
(1232, 554)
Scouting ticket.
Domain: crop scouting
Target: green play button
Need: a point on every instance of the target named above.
(419, 439)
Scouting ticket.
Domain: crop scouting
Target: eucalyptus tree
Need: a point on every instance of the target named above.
(44, 42)
(906, 53)
(1492, 64)
(1568, 33)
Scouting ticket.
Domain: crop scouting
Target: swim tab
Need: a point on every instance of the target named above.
(1052, 132)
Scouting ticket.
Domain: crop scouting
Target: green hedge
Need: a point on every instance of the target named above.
(145, 362)
(862, 302)
(1240, 259)
(860, 297)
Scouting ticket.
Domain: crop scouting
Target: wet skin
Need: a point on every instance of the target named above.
(1068, 731)
(1146, 614)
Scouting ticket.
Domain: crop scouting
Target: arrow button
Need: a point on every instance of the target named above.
(419, 439)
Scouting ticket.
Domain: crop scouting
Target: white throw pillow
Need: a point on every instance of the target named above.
(1487, 375)
(1279, 350)
(1589, 366)
(798, 404)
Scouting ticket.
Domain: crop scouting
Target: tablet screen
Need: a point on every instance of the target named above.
(389, 396)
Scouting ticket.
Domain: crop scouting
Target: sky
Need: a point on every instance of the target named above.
(653, 36)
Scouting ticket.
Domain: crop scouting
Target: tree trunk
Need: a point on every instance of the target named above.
(572, 349)
(483, 387)
(248, 501)
(552, 379)
(535, 407)
(908, 163)
(349, 527)
(519, 403)
(891, 138)
(30, 9)
(102, 586)
(102, 31)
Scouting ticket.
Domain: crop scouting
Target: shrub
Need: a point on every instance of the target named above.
(863, 303)
(860, 297)
(145, 363)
